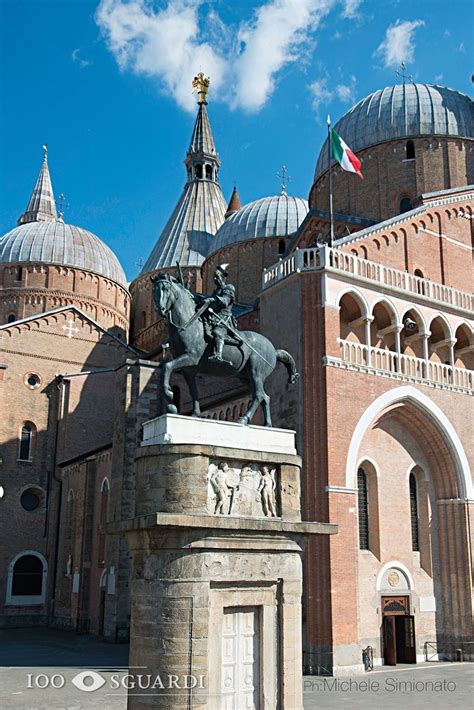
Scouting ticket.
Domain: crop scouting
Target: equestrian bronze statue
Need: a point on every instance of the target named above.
(204, 339)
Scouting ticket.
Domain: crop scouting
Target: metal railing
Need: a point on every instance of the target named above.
(318, 663)
(455, 651)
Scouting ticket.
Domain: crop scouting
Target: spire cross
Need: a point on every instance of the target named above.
(63, 205)
(402, 73)
(139, 263)
(45, 151)
(284, 177)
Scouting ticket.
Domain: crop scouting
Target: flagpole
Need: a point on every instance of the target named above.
(331, 216)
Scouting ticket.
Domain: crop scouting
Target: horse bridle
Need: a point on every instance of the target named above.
(167, 313)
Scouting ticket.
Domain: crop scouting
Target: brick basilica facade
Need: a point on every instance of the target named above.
(380, 323)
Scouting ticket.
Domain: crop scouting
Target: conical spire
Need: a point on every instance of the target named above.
(234, 203)
(41, 207)
(200, 210)
(202, 141)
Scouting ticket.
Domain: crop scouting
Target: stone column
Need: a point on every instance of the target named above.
(397, 330)
(426, 352)
(367, 323)
(216, 548)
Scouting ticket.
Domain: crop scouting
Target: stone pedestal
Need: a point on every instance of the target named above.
(216, 591)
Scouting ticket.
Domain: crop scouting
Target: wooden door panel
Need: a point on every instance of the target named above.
(409, 646)
(389, 641)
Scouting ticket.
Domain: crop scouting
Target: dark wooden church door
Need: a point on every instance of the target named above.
(398, 631)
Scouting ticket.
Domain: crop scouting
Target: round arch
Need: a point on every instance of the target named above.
(389, 306)
(463, 324)
(361, 460)
(418, 313)
(26, 599)
(357, 296)
(410, 394)
(397, 565)
(442, 320)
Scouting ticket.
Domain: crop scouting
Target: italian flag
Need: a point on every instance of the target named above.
(344, 155)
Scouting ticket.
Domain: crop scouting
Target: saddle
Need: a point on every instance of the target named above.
(208, 337)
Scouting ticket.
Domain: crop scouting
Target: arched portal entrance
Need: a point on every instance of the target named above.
(420, 498)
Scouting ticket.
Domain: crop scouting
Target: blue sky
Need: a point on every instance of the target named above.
(107, 86)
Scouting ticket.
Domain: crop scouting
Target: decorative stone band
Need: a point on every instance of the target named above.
(176, 429)
(339, 489)
(239, 524)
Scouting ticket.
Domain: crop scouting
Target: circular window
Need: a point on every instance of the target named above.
(30, 499)
(32, 380)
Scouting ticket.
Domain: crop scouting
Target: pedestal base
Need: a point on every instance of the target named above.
(217, 575)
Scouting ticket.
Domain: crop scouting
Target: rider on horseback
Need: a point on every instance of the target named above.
(218, 316)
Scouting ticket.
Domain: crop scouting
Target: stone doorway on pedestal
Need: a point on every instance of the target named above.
(240, 669)
(398, 631)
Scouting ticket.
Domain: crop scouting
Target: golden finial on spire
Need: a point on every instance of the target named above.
(201, 85)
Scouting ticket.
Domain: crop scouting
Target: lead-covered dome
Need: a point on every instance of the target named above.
(277, 216)
(401, 111)
(53, 242)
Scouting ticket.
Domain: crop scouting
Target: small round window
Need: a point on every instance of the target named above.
(30, 499)
(32, 380)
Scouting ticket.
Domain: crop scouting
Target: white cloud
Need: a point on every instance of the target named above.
(321, 93)
(277, 35)
(243, 62)
(399, 43)
(351, 8)
(163, 43)
(83, 63)
(346, 92)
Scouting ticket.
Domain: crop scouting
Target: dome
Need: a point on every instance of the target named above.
(53, 242)
(402, 111)
(277, 216)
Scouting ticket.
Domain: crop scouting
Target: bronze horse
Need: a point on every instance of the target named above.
(252, 360)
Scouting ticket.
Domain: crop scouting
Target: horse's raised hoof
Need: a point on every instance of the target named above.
(243, 420)
(171, 409)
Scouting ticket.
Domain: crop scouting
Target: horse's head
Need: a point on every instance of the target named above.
(164, 292)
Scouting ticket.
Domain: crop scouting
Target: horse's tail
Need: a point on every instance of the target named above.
(288, 361)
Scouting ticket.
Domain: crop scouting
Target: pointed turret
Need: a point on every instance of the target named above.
(201, 208)
(41, 206)
(202, 140)
(234, 203)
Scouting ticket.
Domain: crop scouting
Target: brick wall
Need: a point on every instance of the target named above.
(439, 164)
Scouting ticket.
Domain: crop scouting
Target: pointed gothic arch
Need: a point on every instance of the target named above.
(410, 395)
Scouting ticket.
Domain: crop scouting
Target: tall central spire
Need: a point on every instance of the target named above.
(202, 140)
(41, 206)
(201, 208)
(202, 161)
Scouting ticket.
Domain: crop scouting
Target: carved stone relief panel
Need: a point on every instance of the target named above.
(252, 490)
